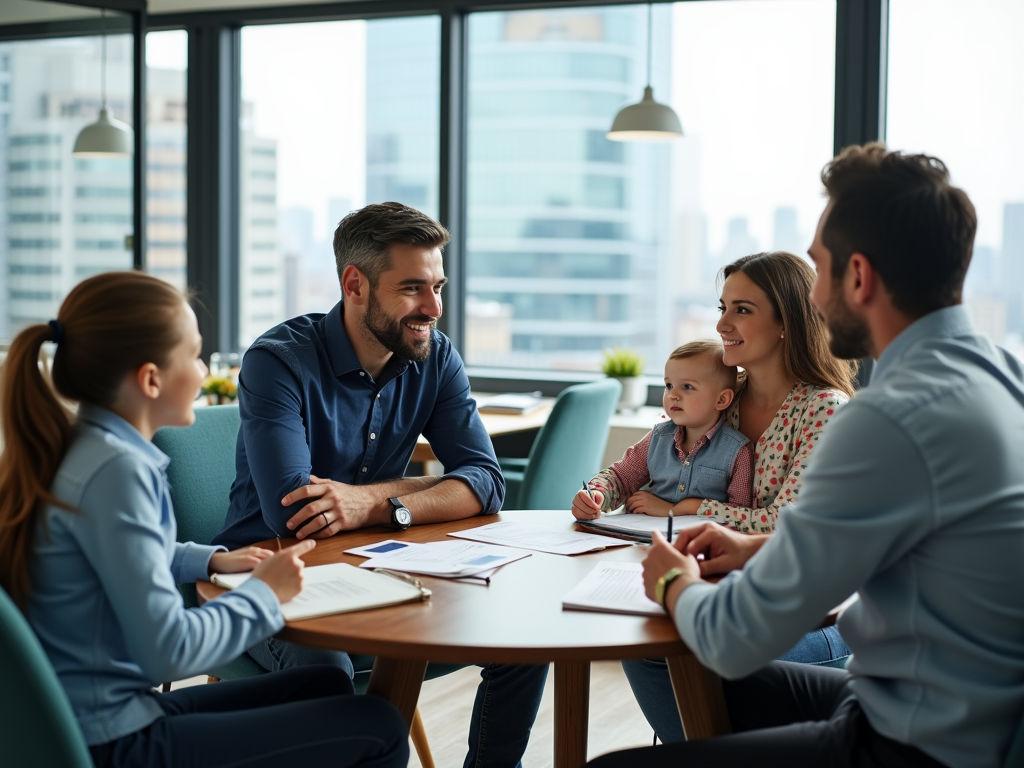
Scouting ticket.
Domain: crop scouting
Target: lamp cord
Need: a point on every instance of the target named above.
(650, 14)
(103, 59)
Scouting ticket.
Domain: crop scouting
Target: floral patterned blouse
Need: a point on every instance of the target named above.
(780, 457)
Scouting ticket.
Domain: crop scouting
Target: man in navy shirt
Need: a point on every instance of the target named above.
(331, 407)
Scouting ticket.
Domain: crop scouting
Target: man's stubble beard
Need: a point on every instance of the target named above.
(389, 334)
(849, 337)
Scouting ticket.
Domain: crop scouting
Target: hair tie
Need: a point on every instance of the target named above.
(56, 331)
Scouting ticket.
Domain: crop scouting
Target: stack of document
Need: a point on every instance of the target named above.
(639, 527)
(613, 588)
(447, 559)
(558, 541)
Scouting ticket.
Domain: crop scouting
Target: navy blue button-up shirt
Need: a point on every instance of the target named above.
(309, 407)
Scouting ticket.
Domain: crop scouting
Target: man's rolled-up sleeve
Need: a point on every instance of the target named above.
(459, 440)
(861, 507)
(276, 447)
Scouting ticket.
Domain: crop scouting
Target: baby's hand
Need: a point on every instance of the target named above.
(646, 503)
(586, 508)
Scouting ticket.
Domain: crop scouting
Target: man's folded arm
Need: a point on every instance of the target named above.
(275, 440)
(861, 507)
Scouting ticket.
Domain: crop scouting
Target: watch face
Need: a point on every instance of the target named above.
(403, 516)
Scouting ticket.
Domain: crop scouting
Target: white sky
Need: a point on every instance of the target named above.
(752, 83)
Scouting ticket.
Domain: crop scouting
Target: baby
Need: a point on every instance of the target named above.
(695, 455)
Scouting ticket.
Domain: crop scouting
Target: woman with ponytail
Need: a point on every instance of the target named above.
(88, 551)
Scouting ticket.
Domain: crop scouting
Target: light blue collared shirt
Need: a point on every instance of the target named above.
(104, 603)
(915, 500)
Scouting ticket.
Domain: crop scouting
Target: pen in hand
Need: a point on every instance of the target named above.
(670, 526)
(586, 488)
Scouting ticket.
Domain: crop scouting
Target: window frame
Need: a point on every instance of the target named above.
(213, 142)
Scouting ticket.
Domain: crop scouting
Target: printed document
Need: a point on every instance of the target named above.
(452, 559)
(613, 588)
(337, 588)
(557, 541)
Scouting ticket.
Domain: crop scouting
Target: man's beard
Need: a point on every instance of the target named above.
(849, 337)
(388, 331)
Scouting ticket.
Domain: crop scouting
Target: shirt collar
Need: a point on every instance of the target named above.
(942, 323)
(109, 421)
(704, 439)
(342, 354)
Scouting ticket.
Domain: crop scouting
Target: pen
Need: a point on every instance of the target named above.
(586, 488)
(670, 526)
(278, 543)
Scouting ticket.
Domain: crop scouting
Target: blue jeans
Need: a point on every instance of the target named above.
(506, 704)
(304, 717)
(653, 689)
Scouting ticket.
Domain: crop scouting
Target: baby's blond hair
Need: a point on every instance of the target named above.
(711, 351)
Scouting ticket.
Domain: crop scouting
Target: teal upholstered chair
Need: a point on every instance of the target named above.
(37, 726)
(201, 471)
(568, 450)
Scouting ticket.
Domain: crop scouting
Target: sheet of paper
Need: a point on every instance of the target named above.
(438, 558)
(642, 524)
(538, 537)
(613, 588)
(336, 588)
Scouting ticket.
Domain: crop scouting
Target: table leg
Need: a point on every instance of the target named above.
(398, 681)
(572, 713)
(699, 697)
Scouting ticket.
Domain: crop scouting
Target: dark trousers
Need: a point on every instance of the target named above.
(306, 717)
(787, 715)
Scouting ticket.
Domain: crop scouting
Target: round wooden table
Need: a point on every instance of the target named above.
(517, 618)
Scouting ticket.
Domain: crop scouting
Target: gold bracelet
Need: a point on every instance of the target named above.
(661, 587)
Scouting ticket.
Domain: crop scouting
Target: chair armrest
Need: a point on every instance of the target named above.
(515, 465)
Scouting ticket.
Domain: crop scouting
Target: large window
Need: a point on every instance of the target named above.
(577, 244)
(166, 70)
(335, 115)
(62, 218)
(954, 91)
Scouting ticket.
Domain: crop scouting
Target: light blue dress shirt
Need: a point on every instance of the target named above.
(104, 602)
(914, 500)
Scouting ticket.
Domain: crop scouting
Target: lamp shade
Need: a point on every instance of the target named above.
(646, 120)
(107, 136)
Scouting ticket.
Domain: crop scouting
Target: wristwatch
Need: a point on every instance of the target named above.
(661, 587)
(401, 518)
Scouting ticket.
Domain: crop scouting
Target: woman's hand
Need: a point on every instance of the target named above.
(723, 549)
(687, 507)
(646, 503)
(586, 508)
(238, 561)
(282, 571)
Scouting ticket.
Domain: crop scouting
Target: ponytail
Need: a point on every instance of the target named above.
(108, 326)
(36, 430)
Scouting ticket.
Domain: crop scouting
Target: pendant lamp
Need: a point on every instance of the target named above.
(107, 136)
(646, 120)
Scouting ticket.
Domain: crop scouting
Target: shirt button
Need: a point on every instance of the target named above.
(378, 395)
(373, 435)
(363, 469)
(682, 487)
(686, 463)
(362, 373)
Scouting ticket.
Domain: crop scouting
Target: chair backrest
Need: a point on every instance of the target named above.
(201, 471)
(37, 726)
(569, 448)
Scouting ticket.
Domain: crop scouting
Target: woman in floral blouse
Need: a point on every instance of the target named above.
(791, 388)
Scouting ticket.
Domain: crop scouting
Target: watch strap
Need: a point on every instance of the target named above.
(661, 587)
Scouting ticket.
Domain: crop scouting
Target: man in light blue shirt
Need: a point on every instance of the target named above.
(914, 500)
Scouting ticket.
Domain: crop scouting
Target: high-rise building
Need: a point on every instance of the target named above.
(786, 232)
(570, 230)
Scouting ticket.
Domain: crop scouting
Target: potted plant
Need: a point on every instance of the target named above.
(628, 367)
(219, 390)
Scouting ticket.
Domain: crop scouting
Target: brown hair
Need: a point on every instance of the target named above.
(786, 280)
(108, 326)
(711, 351)
(363, 237)
(901, 212)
